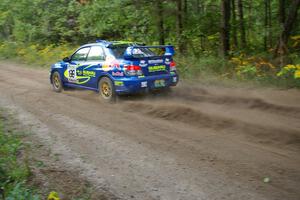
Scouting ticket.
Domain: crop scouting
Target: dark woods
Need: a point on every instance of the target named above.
(194, 26)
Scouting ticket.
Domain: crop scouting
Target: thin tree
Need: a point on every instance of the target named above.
(225, 27)
(268, 25)
(242, 24)
(233, 24)
(179, 26)
(281, 47)
(281, 12)
(160, 21)
(185, 11)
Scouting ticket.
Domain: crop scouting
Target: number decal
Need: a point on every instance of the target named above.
(72, 74)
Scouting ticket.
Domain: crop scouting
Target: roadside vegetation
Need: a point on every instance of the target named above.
(245, 41)
(29, 171)
(14, 172)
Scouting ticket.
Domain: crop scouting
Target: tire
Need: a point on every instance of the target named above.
(57, 84)
(107, 90)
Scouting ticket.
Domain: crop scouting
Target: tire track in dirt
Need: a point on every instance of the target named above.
(167, 146)
(194, 117)
(202, 95)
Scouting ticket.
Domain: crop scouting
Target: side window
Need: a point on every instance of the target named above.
(96, 53)
(81, 54)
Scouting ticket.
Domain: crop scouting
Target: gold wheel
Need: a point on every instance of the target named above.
(56, 81)
(106, 90)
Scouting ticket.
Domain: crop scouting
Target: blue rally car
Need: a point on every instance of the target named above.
(115, 68)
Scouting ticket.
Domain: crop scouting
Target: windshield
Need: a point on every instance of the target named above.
(137, 52)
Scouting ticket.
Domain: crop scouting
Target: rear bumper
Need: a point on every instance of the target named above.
(141, 84)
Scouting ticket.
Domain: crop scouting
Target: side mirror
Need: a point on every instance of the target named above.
(66, 59)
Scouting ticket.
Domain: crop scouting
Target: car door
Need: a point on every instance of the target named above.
(93, 65)
(72, 73)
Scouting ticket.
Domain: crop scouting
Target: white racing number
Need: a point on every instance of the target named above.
(72, 74)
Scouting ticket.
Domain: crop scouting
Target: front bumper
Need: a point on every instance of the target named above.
(131, 85)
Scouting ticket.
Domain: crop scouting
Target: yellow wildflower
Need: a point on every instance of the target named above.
(296, 37)
(288, 67)
(244, 62)
(53, 196)
(297, 74)
(235, 60)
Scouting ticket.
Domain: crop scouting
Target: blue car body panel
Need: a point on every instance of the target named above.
(86, 73)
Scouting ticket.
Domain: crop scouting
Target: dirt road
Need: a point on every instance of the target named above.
(200, 142)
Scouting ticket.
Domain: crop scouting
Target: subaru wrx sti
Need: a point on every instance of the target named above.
(116, 68)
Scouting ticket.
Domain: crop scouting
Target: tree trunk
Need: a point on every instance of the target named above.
(233, 24)
(250, 20)
(179, 26)
(185, 11)
(270, 24)
(281, 12)
(225, 27)
(281, 48)
(198, 6)
(242, 24)
(160, 21)
(266, 25)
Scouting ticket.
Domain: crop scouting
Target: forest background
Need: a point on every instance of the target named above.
(255, 41)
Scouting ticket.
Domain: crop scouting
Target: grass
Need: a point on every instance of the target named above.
(14, 172)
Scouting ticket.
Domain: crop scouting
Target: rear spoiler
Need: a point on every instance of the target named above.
(169, 50)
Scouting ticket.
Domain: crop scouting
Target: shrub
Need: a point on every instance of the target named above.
(35, 54)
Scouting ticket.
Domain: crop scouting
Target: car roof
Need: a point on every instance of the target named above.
(91, 44)
(106, 43)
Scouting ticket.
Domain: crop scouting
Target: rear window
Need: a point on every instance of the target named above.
(137, 52)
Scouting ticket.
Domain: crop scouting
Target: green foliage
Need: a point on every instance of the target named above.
(35, 54)
(290, 72)
(56, 21)
(13, 172)
(21, 192)
(194, 67)
(247, 71)
(42, 32)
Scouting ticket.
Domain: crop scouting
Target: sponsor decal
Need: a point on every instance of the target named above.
(141, 76)
(156, 61)
(117, 73)
(88, 73)
(119, 83)
(74, 75)
(157, 68)
(174, 79)
(110, 63)
(167, 61)
(144, 84)
(172, 73)
(143, 63)
(71, 74)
